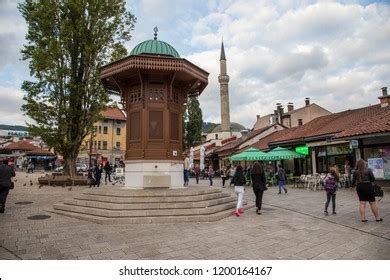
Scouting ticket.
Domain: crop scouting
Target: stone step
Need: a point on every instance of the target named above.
(145, 212)
(151, 205)
(151, 199)
(147, 220)
(122, 192)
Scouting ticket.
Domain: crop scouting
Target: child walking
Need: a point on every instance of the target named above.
(331, 188)
(239, 183)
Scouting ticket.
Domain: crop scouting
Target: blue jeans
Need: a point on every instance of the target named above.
(281, 185)
(186, 177)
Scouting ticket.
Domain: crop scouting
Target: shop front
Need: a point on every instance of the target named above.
(332, 155)
(376, 151)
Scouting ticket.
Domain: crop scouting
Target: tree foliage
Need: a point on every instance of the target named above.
(67, 43)
(194, 123)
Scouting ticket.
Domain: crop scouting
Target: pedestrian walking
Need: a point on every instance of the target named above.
(223, 176)
(6, 174)
(258, 184)
(331, 183)
(347, 170)
(210, 173)
(363, 180)
(239, 188)
(197, 173)
(97, 173)
(30, 167)
(186, 169)
(232, 172)
(107, 170)
(281, 179)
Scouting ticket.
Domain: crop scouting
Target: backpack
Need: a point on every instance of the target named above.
(330, 185)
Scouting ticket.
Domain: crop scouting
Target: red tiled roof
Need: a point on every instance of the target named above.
(206, 148)
(378, 123)
(262, 144)
(239, 141)
(332, 124)
(21, 146)
(40, 152)
(113, 114)
(232, 138)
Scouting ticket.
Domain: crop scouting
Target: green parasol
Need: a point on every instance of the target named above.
(250, 154)
(283, 153)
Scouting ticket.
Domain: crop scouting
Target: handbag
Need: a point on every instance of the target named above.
(12, 186)
(378, 191)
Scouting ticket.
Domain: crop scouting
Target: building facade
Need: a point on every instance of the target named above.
(292, 117)
(108, 141)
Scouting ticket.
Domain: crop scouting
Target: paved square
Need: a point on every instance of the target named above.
(292, 226)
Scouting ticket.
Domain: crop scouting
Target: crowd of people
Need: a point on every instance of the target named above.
(362, 179)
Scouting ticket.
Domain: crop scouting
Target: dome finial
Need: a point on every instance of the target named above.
(155, 29)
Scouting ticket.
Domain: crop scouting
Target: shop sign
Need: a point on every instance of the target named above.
(354, 144)
(304, 150)
(338, 149)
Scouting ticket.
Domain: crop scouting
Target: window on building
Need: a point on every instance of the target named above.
(300, 122)
(104, 145)
(118, 145)
(100, 129)
(99, 145)
(118, 122)
(105, 130)
(105, 120)
(118, 131)
(216, 136)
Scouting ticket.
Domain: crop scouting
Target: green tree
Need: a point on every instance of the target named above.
(67, 43)
(194, 123)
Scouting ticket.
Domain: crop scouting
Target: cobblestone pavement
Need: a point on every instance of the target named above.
(292, 226)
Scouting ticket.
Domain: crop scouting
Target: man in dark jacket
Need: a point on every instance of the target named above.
(6, 173)
(108, 170)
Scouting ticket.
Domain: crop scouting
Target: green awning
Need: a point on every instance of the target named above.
(251, 154)
(283, 153)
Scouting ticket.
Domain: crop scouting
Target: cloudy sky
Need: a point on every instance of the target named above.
(335, 52)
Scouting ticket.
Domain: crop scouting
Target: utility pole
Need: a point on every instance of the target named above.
(90, 147)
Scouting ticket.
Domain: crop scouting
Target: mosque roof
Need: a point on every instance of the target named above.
(235, 127)
(155, 47)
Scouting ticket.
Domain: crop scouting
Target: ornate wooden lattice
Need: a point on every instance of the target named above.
(175, 95)
(156, 93)
(134, 94)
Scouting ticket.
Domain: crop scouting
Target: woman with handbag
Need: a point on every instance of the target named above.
(239, 188)
(363, 179)
(6, 174)
(258, 184)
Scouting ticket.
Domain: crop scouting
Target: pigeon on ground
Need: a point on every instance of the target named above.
(31, 183)
(40, 186)
(24, 184)
(70, 188)
(15, 180)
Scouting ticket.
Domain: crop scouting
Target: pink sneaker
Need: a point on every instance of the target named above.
(237, 213)
(241, 210)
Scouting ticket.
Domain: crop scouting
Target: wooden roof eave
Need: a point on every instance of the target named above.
(147, 62)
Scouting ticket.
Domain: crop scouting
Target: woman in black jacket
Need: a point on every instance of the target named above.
(258, 184)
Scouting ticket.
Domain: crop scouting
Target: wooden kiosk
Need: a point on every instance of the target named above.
(154, 84)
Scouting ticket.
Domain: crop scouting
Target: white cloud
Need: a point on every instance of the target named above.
(11, 101)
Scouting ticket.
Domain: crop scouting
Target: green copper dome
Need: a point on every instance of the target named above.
(155, 47)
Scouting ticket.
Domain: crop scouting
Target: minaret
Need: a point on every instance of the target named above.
(223, 79)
